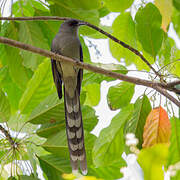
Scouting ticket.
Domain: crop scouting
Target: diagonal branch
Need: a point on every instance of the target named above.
(49, 54)
(135, 51)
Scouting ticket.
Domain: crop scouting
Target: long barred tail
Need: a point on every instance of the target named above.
(75, 133)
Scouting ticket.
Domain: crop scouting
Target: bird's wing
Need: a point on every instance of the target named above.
(80, 73)
(56, 77)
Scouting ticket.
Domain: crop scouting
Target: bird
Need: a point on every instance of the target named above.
(67, 43)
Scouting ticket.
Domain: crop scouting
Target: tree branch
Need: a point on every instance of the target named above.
(49, 54)
(135, 51)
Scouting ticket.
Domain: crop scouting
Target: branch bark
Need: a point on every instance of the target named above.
(155, 85)
(135, 51)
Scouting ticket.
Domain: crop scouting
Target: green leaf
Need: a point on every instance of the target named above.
(30, 33)
(120, 95)
(19, 74)
(10, 88)
(54, 166)
(118, 5)
(142, 108)
(123, 29)
(5, 110)
(91, 77)
(24, 177)
(109, 146)
(57, 144)
(174, 149)
(176, 21)
(92, 94)
(64, 9)
(50, 112)
(148, 27)
(40, 86)
(108, 172)
(152, 160)
(176, 4)
(3, 73)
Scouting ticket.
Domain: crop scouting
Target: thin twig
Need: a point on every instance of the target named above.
(92, 68)
(135, 51)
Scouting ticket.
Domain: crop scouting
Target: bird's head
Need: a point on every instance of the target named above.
(70, 25)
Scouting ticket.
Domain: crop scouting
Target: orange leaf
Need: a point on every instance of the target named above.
(157, 128)
(166, 8)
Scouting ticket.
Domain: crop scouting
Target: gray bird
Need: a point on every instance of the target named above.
(66, 43)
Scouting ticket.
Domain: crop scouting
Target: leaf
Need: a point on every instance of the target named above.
(5, 110)
(40, 86)
(91, 77)
(19, 74)
(157, 128)
(174, 148)
(152, 160)
(107, 172)
(118, 5)
(30, 33)
(50, 112)
(176, 21)
(57, 144)
(120, 95)
(54, 166)
(25, 177)
(64, 9)
(124, 29)
(166, 8)
(142, 108)
(176, 4)
(148, 27)
(9, 87)
(92, 94)
(109, 146)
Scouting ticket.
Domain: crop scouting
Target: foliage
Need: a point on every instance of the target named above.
(29, 102)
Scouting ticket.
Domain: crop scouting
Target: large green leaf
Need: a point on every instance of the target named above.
(120, 95)
(123, 29)
(40, 86)
(176, 21)
(176, 4)
(91, 77)
(135, 125)
(118, 5)
(174, 149)
(5, 110)
(152, 160)
(30, 33)
(93, 94)
(57, 144)
(13, 92)
(109, 145)
(148, 27)
(50, 113)
(54, 166)
(64, 9)
(19, 74)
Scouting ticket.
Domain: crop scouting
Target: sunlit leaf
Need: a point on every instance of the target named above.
(40, 86)
(135, 125)
(109, 145)
(5, 110)
(148, 27)
(157, 128)
(93, 94)
(123, 29)
(120, 95)
(152, 160)
(166, 8)
(118, 5)
(174, 148)
(30, 33)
